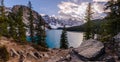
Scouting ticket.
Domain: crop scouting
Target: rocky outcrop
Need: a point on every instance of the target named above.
(117, 37)
(90, 49)
(26, 15)
(117, 44)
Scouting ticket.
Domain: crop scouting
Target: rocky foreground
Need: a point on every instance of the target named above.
(89, 51)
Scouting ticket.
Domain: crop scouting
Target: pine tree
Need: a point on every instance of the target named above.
(3, 20)
(12, 25)
(89, 30)
(112, 26)
(40, 33)
(21, 26)
(16, 26)
(31, 18)
(63, 41)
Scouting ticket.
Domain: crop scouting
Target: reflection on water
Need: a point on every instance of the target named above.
(53, 38)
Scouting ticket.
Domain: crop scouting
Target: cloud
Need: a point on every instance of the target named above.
(72, 10)
(77, 11)
(101, 0)
(99, 8)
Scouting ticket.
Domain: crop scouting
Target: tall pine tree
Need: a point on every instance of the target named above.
(40, 33)
(112, 26)
(3, 20)
(31, 19)
(63, 41)
(21, 26)
(89, 31)
(16, 25)
(12, 25)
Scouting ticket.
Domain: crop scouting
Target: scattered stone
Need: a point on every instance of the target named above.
(37, 54)
(32, 55)
(117, 44)
(22, 58)
(13, 52)
(46, 55)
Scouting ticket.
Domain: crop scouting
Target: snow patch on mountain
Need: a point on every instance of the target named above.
(55, 22)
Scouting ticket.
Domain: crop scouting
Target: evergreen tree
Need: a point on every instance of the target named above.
(63, 41)
(21, 26)
(12, 25)
(89, 30)
(3, 20)
(16, 26)
(40, 33)
(31, 18)
(111, 26)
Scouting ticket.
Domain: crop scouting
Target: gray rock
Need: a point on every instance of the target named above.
(37, 54)
(117, 44)
(32, 55)
(13, 52)
(90, 49)
(46, 55)
(117, 37)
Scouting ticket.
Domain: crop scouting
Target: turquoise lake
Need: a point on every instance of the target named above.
(53, 38)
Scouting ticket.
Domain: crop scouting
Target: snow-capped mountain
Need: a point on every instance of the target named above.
(55, 22)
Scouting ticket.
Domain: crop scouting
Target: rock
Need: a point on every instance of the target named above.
(35, 14)
(32, 55)
(90, 49)
(117, 37)
(22, 58)
(110, 59)
(45, 55)
(117, 44)
(37, 54)
(13, 52)
(68, 56)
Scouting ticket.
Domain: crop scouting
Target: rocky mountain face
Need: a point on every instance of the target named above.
(26, 15)
(56, 22)
(50, 22)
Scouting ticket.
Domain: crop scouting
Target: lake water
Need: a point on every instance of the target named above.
(53, 38)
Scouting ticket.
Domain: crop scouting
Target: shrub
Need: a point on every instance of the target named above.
(39, 48)
(4, 55)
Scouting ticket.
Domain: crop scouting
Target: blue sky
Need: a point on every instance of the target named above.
(61, 8)
(42, 6)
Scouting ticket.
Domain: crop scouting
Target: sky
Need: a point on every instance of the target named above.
(62, 8)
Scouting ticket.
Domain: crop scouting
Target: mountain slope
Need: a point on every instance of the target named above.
(25, 15)
(80, 28)
(55, 22)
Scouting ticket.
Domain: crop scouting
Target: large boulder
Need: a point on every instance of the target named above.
(90, 49)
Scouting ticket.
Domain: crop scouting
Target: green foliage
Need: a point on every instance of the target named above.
(21, 26)
(89, 27)
(4, 55)
(31, 18)
(63, 41)
(16, 26)
(12, 23)
(3, 20)
(111, 26)
(40, 33)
